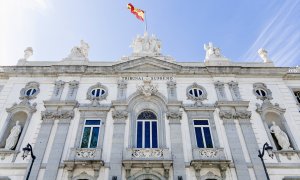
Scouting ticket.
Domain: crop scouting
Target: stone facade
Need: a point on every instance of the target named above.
(53, 102)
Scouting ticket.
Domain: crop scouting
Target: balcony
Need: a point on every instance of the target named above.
(147, 158)
(84, 157)
(210, 158)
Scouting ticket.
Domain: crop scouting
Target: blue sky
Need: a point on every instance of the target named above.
(239, 28)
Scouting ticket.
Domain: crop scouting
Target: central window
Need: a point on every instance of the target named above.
(203, 135)
(90, 134)
(147, 136)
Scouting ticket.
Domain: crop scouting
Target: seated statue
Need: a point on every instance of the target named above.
(13, 137)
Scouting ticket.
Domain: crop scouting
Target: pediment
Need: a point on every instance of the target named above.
(147, 64)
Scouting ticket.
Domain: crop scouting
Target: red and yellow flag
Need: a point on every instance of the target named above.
(140, 14)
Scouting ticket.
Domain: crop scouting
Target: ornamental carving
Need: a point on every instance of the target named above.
(174, 115)
(147, 153)
(30, 91)
(73, 84)
(212, 51)
(146, 45)
(147, 89)
(243, 114)
(85, 153)
(58, 85)
(227, 114)
(117, 114)
(61, 114)
(209, 152)
(171, 84)
(220, 90)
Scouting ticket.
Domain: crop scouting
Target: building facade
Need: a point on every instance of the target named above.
(147, 116)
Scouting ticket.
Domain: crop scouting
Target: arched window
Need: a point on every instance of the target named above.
(147, 135)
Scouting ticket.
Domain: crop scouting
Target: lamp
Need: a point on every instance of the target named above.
(269, 150)
(26, 151)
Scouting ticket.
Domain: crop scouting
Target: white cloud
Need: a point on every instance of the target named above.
(280, 37)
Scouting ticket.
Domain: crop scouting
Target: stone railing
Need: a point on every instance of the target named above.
(147, 153)
(85, 154)
(208, 154)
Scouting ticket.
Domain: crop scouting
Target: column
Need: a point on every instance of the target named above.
(58, 144)
(58, 89)
(174, 118)
(40, 147)
(252, 145)
(219, 86)
(235, 147)
(73, 88)
(119, 117)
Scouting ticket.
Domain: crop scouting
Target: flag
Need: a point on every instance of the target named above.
(140, 14)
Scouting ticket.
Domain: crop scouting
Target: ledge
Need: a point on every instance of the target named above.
(5, 152)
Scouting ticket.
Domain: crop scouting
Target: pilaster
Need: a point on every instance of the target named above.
(58, 89)
(174, 117)
(73, 88)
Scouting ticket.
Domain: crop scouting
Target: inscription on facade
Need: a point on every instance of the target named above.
(152, 78)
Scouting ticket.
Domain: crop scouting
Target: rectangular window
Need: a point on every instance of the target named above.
(202, 133)
(90, 135)
(147, 136)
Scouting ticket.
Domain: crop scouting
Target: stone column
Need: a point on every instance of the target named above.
(174, 118)
(122, 87)
(251, 143)
(119, 117)
(40, 146)
(235, 144)
(58, 144)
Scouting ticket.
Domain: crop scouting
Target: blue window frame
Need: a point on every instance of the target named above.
(30, 92)
(90, 135)
(203, 134)
(147, 135)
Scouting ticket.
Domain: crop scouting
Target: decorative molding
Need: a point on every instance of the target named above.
(198, 100)
(59, 114)
(119, 115)
(171, 84)
(235, 91)
(29, 85)
(209, 153)
(85, 153)
(174, 115)
(73, 88)
(147, 89)
(147, 153)
(268, 106)
(23, 105)
(122, 84)
(227, 114)
(243, 114)
(6, 152)
(58, 88)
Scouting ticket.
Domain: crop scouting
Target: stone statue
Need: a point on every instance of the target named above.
(264, 55)
(211, 51)
(81, 51)
(145, 45)
(28, 52)
(281, 136)
(13, 137)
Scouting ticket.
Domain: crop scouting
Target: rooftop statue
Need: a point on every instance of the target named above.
(212, 52)
(28, 52)
(146, 45)
(81, 51)
(264, 55)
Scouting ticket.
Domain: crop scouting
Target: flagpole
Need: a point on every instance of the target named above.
(145, 22)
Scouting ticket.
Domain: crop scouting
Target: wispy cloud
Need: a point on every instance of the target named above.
(280, 37)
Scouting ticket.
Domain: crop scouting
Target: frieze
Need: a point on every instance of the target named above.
(243, 114)
(153, 78)
(61, 114)
(227, 114)
(85, 153)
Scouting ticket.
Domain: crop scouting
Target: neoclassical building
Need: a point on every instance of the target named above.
(149, 117)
